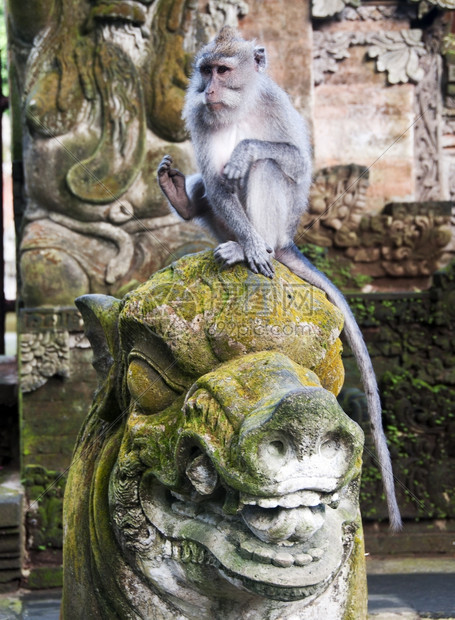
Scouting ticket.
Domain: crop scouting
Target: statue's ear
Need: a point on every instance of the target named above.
(100, 314)
(260, 58)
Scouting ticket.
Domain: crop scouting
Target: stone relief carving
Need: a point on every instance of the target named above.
(426, 5)
(427, 131)
(219, 14)
(43, 355)
(329, 48)
(398, 53)
(337, 204)
(46, 337)
(215, 492)
(102, 86)
(378, 13)
(404, 240)
(328, 8)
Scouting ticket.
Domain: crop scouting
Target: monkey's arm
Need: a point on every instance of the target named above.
(187, 198)
(287, 156)
(248, 245)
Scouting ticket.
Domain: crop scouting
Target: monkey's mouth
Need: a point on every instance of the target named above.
(251, 546)
(215, 105)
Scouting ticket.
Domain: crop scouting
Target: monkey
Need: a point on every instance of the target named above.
(253, 151)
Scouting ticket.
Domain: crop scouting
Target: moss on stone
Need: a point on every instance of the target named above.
(207, 315)
(43, 577)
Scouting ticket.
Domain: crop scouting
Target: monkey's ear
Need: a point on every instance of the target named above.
(260, 58)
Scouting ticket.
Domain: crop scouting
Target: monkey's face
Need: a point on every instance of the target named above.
(224, 82)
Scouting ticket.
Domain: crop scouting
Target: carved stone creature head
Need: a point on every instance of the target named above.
(216, 475)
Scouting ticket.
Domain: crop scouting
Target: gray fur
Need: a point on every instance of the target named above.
(253, 150)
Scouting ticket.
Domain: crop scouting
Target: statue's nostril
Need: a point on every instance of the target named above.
(276, 448)
(274, 453)
(202, 475)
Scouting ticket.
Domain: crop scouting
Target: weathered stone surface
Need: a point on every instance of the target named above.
(11, 537)
(373, 118)
(11, 498)
(405, 240)
(226, 482)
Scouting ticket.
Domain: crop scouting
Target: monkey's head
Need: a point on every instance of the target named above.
(225, 79)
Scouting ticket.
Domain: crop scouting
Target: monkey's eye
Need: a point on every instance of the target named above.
(206, 70)
(223, 69)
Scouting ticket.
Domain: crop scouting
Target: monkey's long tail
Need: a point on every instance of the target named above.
(301, 266)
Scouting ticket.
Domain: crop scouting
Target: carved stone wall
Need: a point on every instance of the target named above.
(97, 91)
(400, 126)
(101, 87)
(391, 124)
(401, 246)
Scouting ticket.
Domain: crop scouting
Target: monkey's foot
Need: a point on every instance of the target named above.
(229, 253)
(256, 257)
(172, 183)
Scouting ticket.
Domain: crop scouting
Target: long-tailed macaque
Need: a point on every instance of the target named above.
(253, 151)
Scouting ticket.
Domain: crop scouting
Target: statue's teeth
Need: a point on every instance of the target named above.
(292, 500)
(283, 559)
(252, 550)
(267, 502)
(302, 559)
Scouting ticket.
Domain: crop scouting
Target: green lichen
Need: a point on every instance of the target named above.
(357, 600)
(44, 577)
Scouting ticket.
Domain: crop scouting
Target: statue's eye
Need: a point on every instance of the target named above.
(149, 393)
(223, 69)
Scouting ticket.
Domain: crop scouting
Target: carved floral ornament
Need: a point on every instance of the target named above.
(327, 8)
(397, 52)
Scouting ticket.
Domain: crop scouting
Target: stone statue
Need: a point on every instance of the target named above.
(216, 476)
(101, 86)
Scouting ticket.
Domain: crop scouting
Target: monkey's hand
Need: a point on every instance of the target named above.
(172, 183)
(237, 168)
